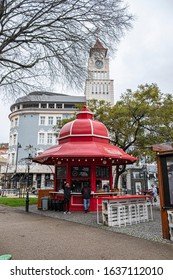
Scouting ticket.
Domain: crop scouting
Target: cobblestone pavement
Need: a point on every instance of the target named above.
(150, 230)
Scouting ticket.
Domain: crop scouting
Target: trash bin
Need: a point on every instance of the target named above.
(59, 205)
(52, 204)
(45, 203)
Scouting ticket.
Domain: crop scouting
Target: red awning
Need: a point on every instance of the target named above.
(83, 149)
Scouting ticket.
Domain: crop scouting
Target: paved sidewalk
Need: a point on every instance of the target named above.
(151, 230)
(49, 235)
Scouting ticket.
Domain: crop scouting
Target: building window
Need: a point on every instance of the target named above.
(42, 120)
(105, 88)
(31, 105)
(51, 105)
(13, 158)
(67, 116)
(41, 138)
(56, 140)
(10, 140)
(14, 139)
(43, 105)
(93, 88)
(49, 138)
(136, 175)
(58, 120)
(50, 120)
(97, 88)
(16, 122)
(58, 106)
(69, 106)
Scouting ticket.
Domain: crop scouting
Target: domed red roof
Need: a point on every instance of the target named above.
(84, 138)
(84, 126)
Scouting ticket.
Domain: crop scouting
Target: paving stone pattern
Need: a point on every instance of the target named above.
(150, 230)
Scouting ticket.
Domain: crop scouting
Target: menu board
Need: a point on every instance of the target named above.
(167, 175)
(80, 171)
(103, 172)
(61, 172)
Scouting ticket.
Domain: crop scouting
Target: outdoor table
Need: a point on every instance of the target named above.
(121, 201)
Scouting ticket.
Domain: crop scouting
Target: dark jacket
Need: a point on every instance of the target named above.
(86, 191)
(67, 192)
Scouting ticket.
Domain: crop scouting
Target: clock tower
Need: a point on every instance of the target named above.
(98, 85)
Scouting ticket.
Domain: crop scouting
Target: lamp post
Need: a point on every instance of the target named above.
(28, 161)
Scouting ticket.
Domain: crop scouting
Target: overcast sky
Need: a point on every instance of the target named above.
(144, 55)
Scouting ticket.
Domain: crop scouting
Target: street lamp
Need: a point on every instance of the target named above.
(28, 161)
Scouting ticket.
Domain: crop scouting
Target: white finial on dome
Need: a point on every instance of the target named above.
(85, 113)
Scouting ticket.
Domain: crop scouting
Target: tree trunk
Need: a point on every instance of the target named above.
(119, 170)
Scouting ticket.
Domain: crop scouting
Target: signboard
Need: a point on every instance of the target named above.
(103, 172)
(167, 171)
(80, 171)
(61, 172)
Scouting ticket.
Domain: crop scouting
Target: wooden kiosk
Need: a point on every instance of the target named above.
(84, 156)
(164, 154)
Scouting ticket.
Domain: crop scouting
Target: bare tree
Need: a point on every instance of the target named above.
(51, 39)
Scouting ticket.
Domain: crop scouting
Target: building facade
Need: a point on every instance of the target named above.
(139, 178)
(33, 118)
(3, 162)
(98, 84)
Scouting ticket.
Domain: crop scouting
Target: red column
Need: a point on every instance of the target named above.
(68, 173)
(55, 182)
(111, 179)
(93, 177)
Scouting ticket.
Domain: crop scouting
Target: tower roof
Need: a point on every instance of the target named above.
(98, 47)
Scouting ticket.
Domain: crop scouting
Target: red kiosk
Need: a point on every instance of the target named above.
(83, 156)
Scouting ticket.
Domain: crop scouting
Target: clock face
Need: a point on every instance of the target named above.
(99, 63)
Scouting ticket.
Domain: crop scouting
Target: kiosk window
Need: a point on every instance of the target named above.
(61, 172)
(80, 171)
(103, 172)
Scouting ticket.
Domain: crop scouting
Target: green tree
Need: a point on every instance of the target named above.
(131, 122)
(137, 121)
(50, 39)
(132, 118)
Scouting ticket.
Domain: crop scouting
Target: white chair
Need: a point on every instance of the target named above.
(142, 212)
(150, 211)
(133, 214)
(117, 216)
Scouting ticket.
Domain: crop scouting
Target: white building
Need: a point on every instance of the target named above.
(33, 118)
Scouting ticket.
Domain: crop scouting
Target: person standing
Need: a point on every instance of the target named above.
(67, 196)
(155, 194)
(86, 192)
